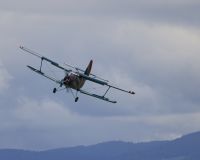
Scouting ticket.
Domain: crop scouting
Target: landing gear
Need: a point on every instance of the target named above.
(74, 95)
(54, 90)
(76, 99)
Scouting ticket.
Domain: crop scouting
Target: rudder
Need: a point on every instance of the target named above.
(89, 68)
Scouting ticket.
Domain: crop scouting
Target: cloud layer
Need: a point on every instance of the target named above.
(5, 78)
(150, 47)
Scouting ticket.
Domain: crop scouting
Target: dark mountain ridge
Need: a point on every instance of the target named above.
(184, 148)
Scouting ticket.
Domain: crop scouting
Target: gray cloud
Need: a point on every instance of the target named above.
(178, 12)
(5, 78)
(46, 124)
(148, 46)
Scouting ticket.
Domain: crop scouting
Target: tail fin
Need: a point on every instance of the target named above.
(88, 69)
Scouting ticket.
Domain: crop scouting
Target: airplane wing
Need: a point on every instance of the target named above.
(82, 71)
(44, 75)
(97, 96)
(95, 80)
(104, 83)
(101, 82)
(44, 59)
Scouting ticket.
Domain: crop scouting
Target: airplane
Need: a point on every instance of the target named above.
(75, 78)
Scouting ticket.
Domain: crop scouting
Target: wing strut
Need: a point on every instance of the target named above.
(106, 91)
(97, 96)
(103, 83)
(44, 58)
(44, 75)
(130, 92)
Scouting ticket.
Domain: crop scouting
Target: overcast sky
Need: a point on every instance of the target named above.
(149, 46)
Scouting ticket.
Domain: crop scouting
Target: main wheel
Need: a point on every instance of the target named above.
(76, 99)
(54, 90)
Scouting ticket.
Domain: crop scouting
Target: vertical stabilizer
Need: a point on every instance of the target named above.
(88, 69)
